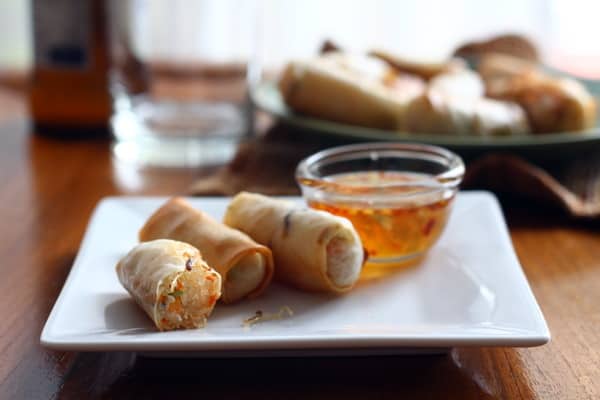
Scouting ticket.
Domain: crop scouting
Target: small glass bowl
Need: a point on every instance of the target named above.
(397, 195)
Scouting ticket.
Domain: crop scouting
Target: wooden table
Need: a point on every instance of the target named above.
(48, 190)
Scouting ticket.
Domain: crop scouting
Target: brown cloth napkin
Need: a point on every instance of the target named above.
(266, 165)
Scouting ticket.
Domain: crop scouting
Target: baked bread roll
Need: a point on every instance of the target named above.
(355, 90)
(245, 266)
(313, 250)
(171, 282)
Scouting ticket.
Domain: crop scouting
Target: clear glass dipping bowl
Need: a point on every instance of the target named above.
(397, 195)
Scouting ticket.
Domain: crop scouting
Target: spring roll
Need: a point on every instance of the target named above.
(246, 266)
(313, 250)
(171, 282)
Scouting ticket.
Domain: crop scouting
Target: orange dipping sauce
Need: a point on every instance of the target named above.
(393, 228)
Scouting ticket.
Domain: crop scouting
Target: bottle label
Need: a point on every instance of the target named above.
(61, 33)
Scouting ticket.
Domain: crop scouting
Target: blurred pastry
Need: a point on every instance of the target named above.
(425, 70)
(462, 84)
(495, 65)
(552, 104)
(436, 113)
(500, 72)
(351, 89)
(510, 44)
(454, 104)
(499, 118)
(508, 94)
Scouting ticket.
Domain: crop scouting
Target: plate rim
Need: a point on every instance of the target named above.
(526, 338)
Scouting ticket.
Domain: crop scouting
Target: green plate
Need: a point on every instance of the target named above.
(266, 97)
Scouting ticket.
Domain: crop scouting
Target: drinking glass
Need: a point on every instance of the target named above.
(178, 79)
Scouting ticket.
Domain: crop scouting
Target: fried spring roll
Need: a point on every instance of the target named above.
(246, 266)
(313, 250)
(171, 282)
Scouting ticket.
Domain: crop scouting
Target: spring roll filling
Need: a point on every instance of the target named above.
(181, 300)
(344, 260)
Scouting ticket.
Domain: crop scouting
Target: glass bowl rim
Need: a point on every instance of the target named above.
(450, 178)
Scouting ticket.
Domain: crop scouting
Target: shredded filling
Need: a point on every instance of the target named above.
(186, 301)
(344, 261)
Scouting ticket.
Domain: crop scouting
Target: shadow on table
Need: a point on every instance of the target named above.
(465, 374)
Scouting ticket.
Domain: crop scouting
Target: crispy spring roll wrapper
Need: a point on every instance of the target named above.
(171, 282)
(313, 250)
(246, 266)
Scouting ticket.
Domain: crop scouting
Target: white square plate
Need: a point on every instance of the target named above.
(469, 291)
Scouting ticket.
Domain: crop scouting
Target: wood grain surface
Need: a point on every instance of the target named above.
(47, 192)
